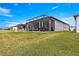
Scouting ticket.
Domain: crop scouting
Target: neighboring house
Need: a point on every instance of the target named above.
(45, 23)
(77, 23)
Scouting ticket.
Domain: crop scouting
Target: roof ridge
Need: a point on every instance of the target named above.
(37, 17)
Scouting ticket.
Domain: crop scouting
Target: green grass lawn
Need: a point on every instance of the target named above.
(39, 43)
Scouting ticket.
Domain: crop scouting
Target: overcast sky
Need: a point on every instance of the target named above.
(15, 13)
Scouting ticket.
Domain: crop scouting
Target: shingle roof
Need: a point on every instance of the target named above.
(37, 18)
(58, 20)
(19, 25)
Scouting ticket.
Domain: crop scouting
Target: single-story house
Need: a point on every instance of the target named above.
(43, 23)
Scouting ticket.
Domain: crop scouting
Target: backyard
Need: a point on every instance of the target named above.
(39, 43)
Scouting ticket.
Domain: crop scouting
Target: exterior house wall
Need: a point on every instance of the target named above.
(59, 26)
(77, 24)
(33, 26)
(76, 17)
(15, 29)
(44, 24)
(66, 27)
(52, 25)
(18, 28)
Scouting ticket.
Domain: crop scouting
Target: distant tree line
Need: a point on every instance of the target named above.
(4, 28)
